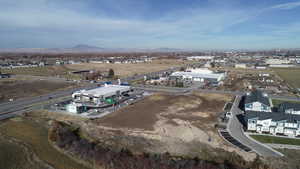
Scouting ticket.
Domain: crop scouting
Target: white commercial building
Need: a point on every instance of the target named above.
(277, 61)
(99, 94)
(199, 75)
(199, 58)
(241, 66)
(98, 97)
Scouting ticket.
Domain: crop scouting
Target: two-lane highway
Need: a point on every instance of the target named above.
(18, 106)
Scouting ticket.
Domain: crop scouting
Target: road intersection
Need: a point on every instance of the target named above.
(234, 127)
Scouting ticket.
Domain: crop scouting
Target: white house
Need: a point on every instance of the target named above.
(258, 101)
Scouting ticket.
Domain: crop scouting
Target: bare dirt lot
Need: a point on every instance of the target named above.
(145, 114)
(15, 88)
(177, 122)
(129, 69)
(182, 125)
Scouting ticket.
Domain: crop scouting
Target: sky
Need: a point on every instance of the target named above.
(184, 24)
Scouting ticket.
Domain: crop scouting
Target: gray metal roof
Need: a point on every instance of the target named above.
(288, 105)
(278, 116)
(257, 96)
(199, 75)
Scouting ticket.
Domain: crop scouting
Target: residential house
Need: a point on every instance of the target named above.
(279, 123)
(289, 108)
(258, 101)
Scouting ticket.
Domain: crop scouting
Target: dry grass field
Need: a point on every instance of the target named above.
(290, 75)
(15, 88)
(54, 71)
(123, 70)
(34, 136)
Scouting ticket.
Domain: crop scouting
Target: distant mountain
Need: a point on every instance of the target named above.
(83, 48)
(87, 47)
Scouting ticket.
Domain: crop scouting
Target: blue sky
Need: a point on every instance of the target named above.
(189, 24)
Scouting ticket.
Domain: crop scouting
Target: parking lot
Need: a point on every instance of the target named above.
(229, 138)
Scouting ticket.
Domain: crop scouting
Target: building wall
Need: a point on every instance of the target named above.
(292, 111)
(269, 126)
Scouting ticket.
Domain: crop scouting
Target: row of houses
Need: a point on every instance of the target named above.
(261, 117)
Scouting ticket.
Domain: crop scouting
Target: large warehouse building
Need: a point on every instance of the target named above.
(198, 76)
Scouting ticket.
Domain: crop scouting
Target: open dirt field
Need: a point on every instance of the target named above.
(129, 69)
(182, 125)
(145, 113)
(15, 88)
(177, 122)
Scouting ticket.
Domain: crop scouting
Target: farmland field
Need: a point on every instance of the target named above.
(17, 88)
(123, 70)
(54, 71)
(291, 76)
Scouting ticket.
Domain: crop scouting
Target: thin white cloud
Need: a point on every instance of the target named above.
(287, 6)
(51, 24)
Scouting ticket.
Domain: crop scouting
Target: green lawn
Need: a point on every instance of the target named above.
(276, 140)
(290, 75)
(277, 102)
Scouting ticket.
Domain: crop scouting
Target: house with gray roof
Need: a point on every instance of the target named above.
(279, 123)
(260, 118)
(290, 108)
(258, 101)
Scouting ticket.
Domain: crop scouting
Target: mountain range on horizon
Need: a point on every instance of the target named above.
(84, 48)
(81, 48)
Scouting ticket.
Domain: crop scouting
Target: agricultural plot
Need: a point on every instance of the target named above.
(291, 76)
(123, 70)
(54, 71)
(14, 88)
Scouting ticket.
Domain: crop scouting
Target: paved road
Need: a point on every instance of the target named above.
(10, 109)
(235, 129)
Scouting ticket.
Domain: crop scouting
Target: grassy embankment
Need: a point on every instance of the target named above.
(35, 135)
